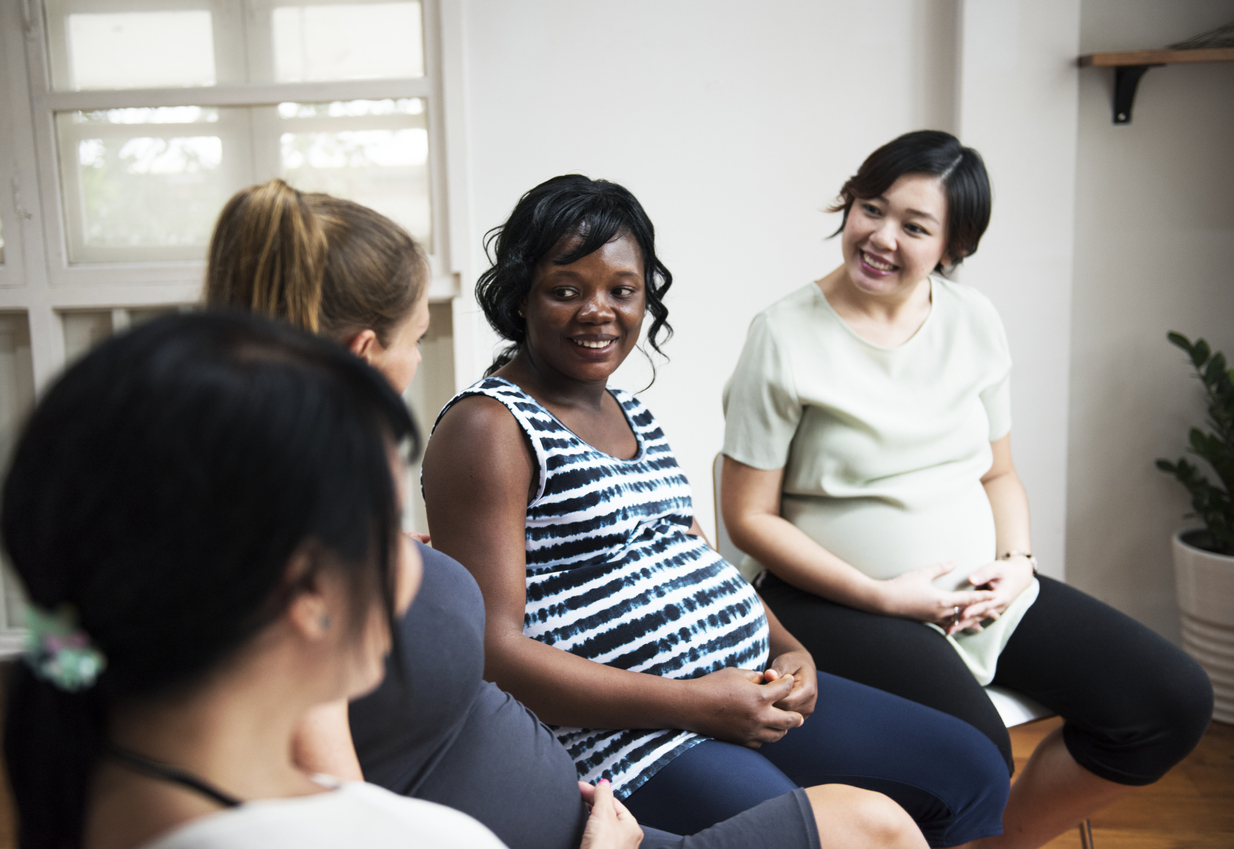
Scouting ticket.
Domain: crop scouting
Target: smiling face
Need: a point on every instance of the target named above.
(892, 242)
(584, 318)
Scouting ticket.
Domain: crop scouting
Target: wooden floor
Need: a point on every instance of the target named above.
(1191, 808)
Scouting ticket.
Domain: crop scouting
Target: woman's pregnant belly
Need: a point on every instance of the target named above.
(666, 605)
(884, 539)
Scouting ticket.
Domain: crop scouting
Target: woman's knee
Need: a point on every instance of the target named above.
(1135, 704)
(981, 795)
(1166, 713)
(849, 817)
(1185, 706)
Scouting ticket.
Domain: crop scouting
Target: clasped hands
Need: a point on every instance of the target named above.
(748, 707)
(995, 585)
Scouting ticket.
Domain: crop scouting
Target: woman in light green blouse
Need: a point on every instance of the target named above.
(868, 475)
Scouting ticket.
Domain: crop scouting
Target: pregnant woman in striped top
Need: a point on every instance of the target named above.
(607, 612)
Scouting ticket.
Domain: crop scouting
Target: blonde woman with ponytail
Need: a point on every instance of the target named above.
(327, 265)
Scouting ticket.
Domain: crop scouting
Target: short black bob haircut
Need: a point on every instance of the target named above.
(960, 169)
(597, 212)
(159, 490)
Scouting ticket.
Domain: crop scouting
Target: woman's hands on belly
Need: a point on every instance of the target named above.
(914, 596)
(751, 502)
(800, 665)
(750, 708)
(1006, 579)
(743, 706)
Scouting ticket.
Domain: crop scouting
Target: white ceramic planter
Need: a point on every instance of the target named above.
(1205, 585)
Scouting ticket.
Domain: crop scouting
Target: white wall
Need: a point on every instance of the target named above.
(735, 124)
(1154, 252)
(1017, 105)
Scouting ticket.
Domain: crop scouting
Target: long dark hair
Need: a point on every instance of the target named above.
(960, 169)
(159, 491)
(597, 211)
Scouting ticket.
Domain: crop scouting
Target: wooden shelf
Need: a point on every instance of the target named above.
(1130, 65)
(1156, 57)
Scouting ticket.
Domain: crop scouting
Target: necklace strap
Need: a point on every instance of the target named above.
(166, 772)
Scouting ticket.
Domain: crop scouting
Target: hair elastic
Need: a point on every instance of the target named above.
(59, 651)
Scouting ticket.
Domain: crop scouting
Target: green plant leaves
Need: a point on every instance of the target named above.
(1199, 353)
(1216, 370)
(1211, 503)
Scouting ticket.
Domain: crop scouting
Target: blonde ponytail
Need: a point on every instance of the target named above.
(328, 265)
(268, 254)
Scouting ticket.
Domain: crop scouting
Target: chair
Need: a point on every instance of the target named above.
(1014, 708)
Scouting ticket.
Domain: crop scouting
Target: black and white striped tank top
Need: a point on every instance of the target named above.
(613, 576)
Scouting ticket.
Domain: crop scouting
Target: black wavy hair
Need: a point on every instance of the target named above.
(960, 169)
(597, 211)
(160, 489)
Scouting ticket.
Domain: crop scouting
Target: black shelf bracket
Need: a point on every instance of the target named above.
(1126, 80)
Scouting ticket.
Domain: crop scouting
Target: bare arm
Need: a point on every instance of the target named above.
(1009, 504)
(1008, 501)
(478, 471)
(790, 658)
(751, 508)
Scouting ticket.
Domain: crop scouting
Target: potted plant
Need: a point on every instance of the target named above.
(1204, 557)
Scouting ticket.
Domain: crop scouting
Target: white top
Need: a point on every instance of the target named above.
(883, 449)
(352, 815)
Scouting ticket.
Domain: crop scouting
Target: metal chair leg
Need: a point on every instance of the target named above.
(1086, 834)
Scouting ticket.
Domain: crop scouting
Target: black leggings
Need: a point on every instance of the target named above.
(1133, 703)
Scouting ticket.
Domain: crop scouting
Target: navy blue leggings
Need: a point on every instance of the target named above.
(946, 774)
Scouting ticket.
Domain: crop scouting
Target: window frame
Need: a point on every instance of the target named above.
(36, 278)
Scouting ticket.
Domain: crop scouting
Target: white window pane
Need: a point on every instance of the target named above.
(83, 329)
(139, 49)
(16, 399)
(347, 41)
(148, 183)
(372, 152)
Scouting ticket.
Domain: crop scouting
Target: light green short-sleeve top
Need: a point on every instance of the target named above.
(883, 449)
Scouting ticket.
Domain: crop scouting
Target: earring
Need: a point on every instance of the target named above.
(520, 314)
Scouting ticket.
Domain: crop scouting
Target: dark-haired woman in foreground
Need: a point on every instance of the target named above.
(204, 515)
(868, 469)
(607, 612)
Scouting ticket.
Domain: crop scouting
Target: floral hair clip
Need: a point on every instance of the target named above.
(59, 651)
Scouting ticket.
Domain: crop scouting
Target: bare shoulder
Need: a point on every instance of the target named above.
(475, 424)
(479, 440)
(477, 476)
(477, 415)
